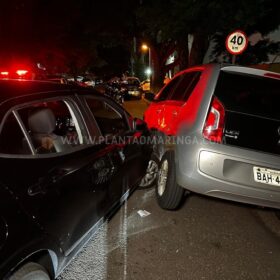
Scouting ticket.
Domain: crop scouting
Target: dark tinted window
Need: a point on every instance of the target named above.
(185, 87)
(249, 94)
(52, 126)
(133, 82)
(12, 140)
(168, 89)
(110, 121)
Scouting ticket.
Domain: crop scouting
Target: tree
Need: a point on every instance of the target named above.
(250, 16)
(66, 35)
(168, 23)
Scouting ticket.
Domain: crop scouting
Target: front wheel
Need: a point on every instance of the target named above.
(168, 193)
(30, 271)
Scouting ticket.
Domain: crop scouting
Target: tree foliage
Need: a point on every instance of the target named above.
(67, 35)
(169, 22)
(84, 34)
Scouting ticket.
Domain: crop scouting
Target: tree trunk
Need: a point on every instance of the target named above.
(199, 48)
(157, 70)
(183, 53)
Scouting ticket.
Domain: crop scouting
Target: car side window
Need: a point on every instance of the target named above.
(110, 121)
(185, 87)
(12, 139)
(167, 91)
(52, 126)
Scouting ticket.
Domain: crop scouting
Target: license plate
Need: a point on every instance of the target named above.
(267, 176)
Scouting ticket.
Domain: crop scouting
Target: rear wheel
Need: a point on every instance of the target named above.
(169, 194)
(30, 271)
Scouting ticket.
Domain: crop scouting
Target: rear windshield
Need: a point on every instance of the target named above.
(249, 94)
(133, 82)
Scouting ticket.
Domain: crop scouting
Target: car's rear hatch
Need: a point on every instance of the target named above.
(252, 109)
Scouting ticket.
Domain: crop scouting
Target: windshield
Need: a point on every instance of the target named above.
(249, 94)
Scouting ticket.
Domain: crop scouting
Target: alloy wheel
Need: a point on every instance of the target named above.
(162, 178)
(151, 174)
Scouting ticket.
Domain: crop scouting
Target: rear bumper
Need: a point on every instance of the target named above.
(226, 172)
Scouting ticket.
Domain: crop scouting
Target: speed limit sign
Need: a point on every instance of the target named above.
(236, 42)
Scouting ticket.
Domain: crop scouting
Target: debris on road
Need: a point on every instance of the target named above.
(143, 213)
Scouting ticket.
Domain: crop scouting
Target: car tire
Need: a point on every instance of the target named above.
(31, 271)
(168, 193)
(150, 177)
(159, 140)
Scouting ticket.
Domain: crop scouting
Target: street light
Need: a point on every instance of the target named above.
(145, 48)
(148, 72)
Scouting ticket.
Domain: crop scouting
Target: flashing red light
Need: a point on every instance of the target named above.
(21, 72)
(4, 73)
(214, 125)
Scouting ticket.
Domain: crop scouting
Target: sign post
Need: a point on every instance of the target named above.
(236, 43)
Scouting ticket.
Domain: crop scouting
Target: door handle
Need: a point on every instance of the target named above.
(44, 183)
(158, 111)
(175, 113)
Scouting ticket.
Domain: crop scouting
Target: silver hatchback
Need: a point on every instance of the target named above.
(227, 139)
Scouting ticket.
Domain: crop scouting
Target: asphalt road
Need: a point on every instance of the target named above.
(206, 239)
(136, 107)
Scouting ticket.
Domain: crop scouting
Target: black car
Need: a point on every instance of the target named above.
(62, 172)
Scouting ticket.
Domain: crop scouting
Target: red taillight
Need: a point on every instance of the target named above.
(214, 125)
(21, 72)
(272, 75)
(4, 73)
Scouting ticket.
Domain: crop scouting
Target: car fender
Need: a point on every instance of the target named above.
(20, 236)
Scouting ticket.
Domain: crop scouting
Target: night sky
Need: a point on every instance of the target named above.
(32, 28)
(68, 34)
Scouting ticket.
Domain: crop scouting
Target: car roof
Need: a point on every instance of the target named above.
(231, 68)
(251, 70)
(16, 88)
(132, 78)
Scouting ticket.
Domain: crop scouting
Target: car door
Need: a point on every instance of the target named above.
(128, 155)
(155, 114)
(177, 98)
(61, 182)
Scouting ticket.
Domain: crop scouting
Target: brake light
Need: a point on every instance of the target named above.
(4, 73)
(214, 125)
(21, 72)
(272, 75)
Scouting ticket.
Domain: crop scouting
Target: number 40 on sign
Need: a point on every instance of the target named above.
(236, 42)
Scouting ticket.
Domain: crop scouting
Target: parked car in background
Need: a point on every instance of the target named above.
(88, 82)
(60, 79)
(225, 123)
(131, 88)
(71, 173)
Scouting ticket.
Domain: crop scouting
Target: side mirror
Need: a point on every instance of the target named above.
(149, 96)
(139, 125)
